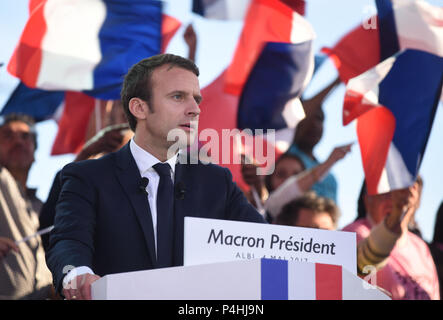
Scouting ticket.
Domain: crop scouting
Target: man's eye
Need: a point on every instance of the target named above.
(177, 96)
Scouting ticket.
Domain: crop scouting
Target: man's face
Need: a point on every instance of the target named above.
(285, 168)
(16, 146)
(382, 204)
(175, 99)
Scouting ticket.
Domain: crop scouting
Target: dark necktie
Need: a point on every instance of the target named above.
(165, 213)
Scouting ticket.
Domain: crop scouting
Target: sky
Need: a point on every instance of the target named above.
(216, 45)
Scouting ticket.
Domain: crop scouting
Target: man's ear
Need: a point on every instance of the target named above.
(138, 108)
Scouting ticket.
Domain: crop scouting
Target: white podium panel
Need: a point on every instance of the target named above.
(260, 279)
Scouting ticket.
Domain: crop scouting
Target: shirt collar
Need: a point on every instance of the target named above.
(145, 161)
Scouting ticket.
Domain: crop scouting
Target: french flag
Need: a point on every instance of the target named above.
(399, 24)
(395, 101)
(270, 97)
(395, 104)
(80, 119)
(86, 45)
(266, 21)
(234, 9)
(40, 104)
(72, 110)
(280, 71)
(222, 110)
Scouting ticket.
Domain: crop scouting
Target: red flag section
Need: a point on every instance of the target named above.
(170, 25)
(73, 124)
(374, 144)
(218, 112)
(29, 47)
(328, 281)
(356, 52)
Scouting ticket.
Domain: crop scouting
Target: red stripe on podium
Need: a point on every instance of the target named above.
(328, 282)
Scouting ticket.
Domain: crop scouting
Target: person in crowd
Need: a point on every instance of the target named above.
(286, 165)
(309, 211)
(23, 270)
(125, 211)
(308, 134)
(436, 246)
(388, 254)
(289, 180)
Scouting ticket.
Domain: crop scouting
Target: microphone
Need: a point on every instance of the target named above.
(143, 184)
(180, 190)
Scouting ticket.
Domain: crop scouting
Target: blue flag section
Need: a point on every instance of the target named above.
(387, 29)
(411, 91)
(278, 76)
(198, 7)
(274, 279)
(40, 104)
(130, 33)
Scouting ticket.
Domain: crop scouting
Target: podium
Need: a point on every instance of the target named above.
(258, 279)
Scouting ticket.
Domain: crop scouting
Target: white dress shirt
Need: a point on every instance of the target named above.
(145, 162)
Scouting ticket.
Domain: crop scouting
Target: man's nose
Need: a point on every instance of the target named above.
(193, 109)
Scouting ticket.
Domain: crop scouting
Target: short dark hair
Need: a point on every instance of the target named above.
(21, 117)
(311, 201)
(137, 81)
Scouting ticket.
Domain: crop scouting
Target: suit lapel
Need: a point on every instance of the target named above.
(129, 177)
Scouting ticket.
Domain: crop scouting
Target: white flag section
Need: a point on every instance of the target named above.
(419, 26)
(225, 9)
(211, 240)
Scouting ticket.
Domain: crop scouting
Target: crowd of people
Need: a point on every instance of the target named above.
(300, 192)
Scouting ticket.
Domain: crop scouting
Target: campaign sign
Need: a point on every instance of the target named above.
(212, 240)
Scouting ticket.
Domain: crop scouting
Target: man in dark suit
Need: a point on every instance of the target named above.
(125, 212)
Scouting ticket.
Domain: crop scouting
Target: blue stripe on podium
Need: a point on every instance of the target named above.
(274, 279)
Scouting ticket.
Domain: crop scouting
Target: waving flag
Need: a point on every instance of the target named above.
(39, 104)
(75, 108)
(86, 45)
(266, 21)
(283, 69)
(257, 60)
(219, 114)
(400, 24)
(270, 98)
(395, 104)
